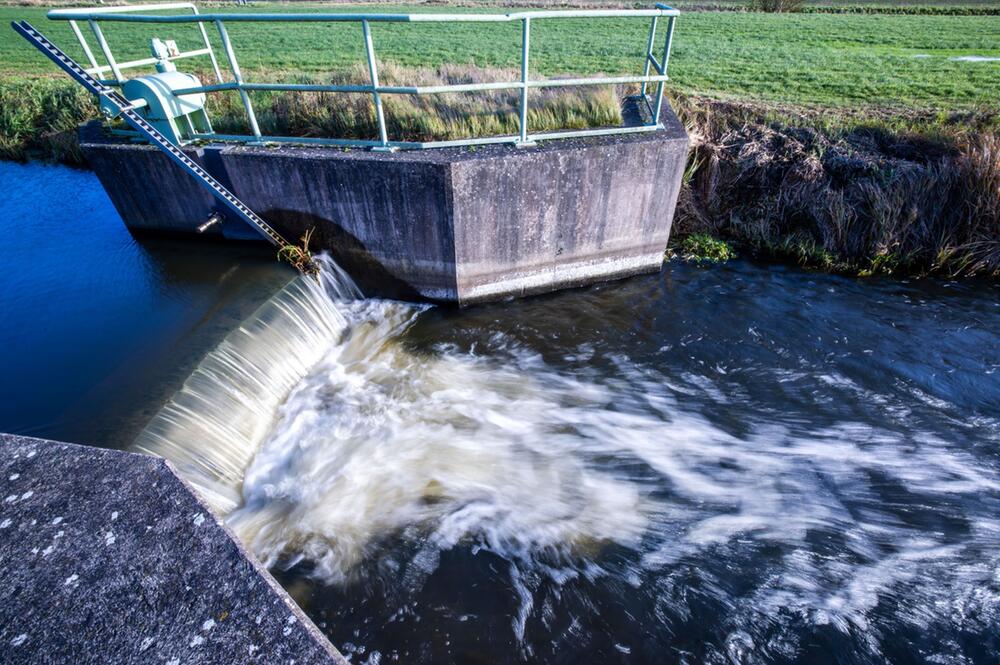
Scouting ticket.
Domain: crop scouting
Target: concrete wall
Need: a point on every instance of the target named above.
(149, 192)
(460, 225)
(387, 219)
(567, 213)
(109, 557)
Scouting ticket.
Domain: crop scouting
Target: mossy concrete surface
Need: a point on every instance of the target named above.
(109, 557)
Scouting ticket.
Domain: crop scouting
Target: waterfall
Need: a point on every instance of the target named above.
(211, 428)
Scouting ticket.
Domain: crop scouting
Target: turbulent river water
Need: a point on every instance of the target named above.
(736, 463)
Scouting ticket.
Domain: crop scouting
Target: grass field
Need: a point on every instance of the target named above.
(894, 61)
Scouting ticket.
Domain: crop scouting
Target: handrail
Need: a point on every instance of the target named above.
(125, 15)
(94, 14)
(133, 14)
(74, 13)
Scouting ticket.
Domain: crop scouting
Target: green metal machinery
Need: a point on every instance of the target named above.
(179, 117)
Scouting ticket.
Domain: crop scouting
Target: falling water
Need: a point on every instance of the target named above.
(741, 463)
(213, 426)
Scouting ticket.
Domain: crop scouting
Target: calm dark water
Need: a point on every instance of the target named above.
(98, 328)
(731, 464)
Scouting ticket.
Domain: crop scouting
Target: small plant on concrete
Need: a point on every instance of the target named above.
(300, 256)
(701, 247)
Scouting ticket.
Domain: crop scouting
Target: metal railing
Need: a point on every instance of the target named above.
(133, 14)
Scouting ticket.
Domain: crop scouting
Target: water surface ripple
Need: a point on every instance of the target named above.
(730, 464)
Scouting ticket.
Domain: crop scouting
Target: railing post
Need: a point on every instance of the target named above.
(103, 43)
(376, 96)
(663, 65)
(649, 53)
(525, 46)
(227, 46)
(208, 45)
(84, 45)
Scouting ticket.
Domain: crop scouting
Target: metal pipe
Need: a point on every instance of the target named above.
(302, 140)
(92, 14)
(373, 71)
(146, 61)
(422, 145)
(666, 60)
(83, 44)
(208, 47)
(668, 47)
(649, 53)
(71, 13)
(606, 131)
(107, 51)
(604, 80)
(227, 46)
(420, 90)
(213, 219)
(525, 45)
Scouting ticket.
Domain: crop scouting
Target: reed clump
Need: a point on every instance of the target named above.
(701, 247)
(39, 117)
(862, 195)
(300, 256)
(418, 117)
(776, 6)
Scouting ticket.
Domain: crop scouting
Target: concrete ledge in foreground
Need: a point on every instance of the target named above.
(109, 557)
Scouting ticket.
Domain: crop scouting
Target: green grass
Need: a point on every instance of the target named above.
(809, 59)
(40, 116)
(701, 247)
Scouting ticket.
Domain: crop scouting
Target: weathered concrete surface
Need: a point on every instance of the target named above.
(463, 225)
(108, 557)
(388, 219)
(149, 192)
(566, 213)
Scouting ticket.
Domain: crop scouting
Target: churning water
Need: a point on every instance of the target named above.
(732, 464)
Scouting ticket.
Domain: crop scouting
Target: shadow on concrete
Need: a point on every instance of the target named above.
(353, 256)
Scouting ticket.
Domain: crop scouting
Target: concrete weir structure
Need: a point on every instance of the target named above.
(109, 557)
(461, 225)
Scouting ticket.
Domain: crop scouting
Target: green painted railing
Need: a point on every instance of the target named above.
(134, 14)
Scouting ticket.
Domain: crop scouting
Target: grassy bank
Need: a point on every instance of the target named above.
(39, 116)
(861, 193)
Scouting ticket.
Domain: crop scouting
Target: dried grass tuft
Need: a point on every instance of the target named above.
(418, 117)
(857, 196)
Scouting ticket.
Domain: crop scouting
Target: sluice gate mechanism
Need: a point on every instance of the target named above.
(160, 104)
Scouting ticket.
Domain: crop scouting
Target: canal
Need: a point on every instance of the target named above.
(734, 463)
